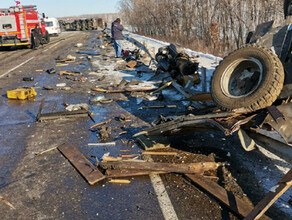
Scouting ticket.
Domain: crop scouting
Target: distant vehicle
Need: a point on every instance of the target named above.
(17, 25)
(52, 26)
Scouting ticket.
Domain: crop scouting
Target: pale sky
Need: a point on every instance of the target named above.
(61, 8)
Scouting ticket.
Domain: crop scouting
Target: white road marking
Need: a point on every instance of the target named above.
(163, 198)
(16, 67)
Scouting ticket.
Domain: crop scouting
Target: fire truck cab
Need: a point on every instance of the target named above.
(17, 26)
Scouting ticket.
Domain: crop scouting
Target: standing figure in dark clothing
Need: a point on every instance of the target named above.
(117, 36)
(36, 37)
(287, 8)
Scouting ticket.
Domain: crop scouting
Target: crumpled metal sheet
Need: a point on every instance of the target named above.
(283, 125)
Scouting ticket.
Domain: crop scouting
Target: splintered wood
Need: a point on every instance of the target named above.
(271, 197)
(119, 181)
(82, 165)
(231, 201)
(166, 167)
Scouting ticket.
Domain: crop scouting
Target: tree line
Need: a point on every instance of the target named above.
(215, 26)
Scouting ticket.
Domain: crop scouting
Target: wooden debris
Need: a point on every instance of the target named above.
(131, 173)
(203, 97)
(64, 114)
(123, 90)
(102, 144)
(167, 167)
(235, 204)
(46, 151)
(79, 161)
(118, 181)
(132, 64)
(130, 156)
(100, 124)
(153, 143)
(122, 133)
(159, 153)
(158, 106)
(39, 70)
(111, 159)
(69, 73)
(162, 87)
(4, 201)
(125, 151)
(271, 197)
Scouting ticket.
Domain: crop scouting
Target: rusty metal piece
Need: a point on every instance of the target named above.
(275, 113)
(283, 125)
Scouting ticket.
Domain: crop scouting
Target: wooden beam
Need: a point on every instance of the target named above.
(82, 165)
(166, 167)
(159, 153)
(235, 204)
(271, 197)
(131, 173)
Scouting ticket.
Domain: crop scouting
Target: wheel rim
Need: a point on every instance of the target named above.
(242, 78)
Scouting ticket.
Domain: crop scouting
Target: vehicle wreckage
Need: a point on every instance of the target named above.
(251, 88)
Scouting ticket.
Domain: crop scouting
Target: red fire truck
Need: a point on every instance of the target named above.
(17, 26)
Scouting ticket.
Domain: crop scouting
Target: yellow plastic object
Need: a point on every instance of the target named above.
(21, 93)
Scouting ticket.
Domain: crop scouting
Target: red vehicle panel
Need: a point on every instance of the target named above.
(17, 23)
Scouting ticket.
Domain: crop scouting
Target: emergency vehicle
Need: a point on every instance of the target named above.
(17, 25)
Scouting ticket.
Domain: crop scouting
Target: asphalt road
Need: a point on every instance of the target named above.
(48, 187)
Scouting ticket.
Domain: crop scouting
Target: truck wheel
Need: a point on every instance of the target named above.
(47, 37)
(247, 80)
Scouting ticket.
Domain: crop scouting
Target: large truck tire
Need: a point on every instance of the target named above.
(249, 79)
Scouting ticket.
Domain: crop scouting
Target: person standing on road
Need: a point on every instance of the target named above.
(36, 37)
(117, 36)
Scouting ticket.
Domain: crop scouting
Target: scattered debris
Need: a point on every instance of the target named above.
(271, 197)
(232, 202)
(102, 144)
(84, 166)
(192, 168)
(61, 85)
(57, 115)
(28, 79)
(77, 107)
(131, 173)
(119, 181)
(154, 142)
(105, 133)
(46, 151)
(21, 93)
(159, 153)
(4, 201)
(158, 106)
(51, 71)
(100, 124)
(67, 73)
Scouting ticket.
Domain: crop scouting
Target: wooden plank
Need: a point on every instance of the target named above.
(131, 173)
(100, 124)
(159, 153)
(271, 197)
(167, 167)
(235, 204)
(83, 166)
(203, 97)
(120, 181)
